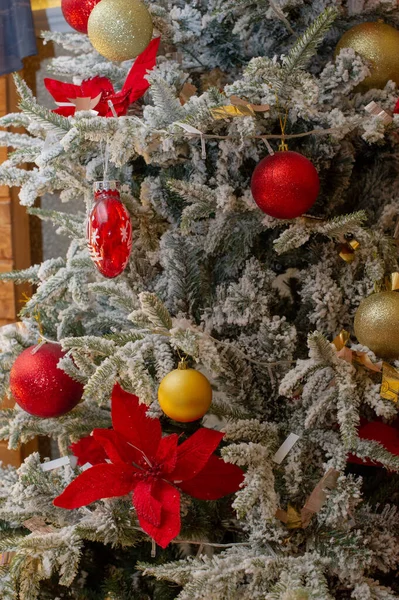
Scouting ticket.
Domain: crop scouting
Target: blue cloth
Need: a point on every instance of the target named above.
(17, 34)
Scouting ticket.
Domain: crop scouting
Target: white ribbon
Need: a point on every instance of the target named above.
(191, 129)
(60, 462)
(285, 447)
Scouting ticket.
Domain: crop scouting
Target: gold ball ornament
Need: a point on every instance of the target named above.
(377, 324)
(378, 44)
(120, 29)
(184, 394)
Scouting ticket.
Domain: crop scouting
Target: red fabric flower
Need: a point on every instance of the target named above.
(134, 457)
(396, 109)
(386, 435)
(134, 87)
(88, 450)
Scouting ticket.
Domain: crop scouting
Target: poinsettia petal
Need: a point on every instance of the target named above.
(217, 479)
(135, 85)
(166, 455)
(90, 88)
(100, 481)
(88, 450)
(169, 527)
(129, 418)
(120, 104)
(194, 453)
(61, 91)
(116, 447)
(138, 91)
(147, 507)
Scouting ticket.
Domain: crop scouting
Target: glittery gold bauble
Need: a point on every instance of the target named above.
(377, 324)
(378, 44)
(120, 29)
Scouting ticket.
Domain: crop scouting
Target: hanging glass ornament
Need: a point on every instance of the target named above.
(109, 230)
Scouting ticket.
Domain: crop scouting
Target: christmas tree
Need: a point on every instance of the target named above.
(216, 355)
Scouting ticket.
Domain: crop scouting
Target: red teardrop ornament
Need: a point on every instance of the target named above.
(109, 230)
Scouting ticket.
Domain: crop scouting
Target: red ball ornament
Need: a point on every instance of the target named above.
(77, 12)
(39, 386)
(109, 230)
(285, 185)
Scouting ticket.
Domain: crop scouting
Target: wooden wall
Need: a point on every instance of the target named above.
(14, 226)
(15, 253)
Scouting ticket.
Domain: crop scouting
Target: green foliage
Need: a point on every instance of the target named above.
(299, 233)
(202, 201)
(72, 225)
(180, 260)
(53, 122)
(155, 311)
(29, 275)
(306, 45)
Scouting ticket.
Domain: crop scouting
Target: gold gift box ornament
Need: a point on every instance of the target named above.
(347, 250)
(390, 383)
(390, 376)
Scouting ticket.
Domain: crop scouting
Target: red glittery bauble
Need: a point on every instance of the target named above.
(109, 233)
(39, 386)
(285, 185)
(77, 12)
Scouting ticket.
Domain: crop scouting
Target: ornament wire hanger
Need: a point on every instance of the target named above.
(37, 317)
(283, 146)
(105, 153)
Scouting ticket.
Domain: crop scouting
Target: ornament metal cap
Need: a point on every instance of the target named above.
(110, 184)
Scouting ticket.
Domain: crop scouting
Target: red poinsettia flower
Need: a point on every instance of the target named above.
(134, 457)
(98, 90)
(386, 435)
